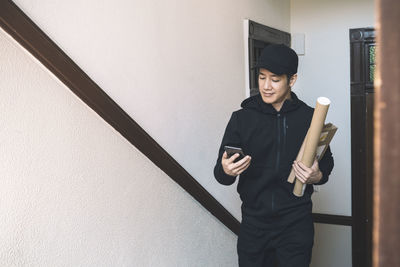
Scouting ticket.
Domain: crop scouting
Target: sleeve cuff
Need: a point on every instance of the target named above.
(222, 177)
(323, 180)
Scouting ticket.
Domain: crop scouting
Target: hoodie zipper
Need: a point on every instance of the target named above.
(281, 138)
(278, 154)
(280, 149)
(284, 134)
(278, 123)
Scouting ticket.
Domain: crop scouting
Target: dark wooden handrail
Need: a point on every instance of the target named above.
(16, 23)
(332, 219)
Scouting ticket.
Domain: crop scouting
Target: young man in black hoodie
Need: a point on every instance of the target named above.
(276, 225)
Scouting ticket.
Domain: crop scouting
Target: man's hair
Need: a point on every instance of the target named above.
(289, 76)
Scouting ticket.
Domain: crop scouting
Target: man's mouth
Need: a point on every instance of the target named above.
(267, 94)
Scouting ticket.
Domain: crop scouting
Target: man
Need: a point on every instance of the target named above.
(270, 128)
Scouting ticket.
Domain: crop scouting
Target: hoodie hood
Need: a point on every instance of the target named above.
(255, 102)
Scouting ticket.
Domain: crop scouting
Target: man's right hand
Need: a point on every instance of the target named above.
(234, 168)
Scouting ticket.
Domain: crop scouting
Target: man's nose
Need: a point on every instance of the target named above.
(267, 84)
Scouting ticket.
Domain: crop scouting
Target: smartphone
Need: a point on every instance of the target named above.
(231, 150)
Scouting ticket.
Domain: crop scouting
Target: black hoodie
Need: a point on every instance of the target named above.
(273, 140)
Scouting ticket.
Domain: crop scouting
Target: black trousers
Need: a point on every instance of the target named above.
(283, 242)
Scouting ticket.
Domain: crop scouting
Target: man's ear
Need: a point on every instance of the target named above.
(293, 80)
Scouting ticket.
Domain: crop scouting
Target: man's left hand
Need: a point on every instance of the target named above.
(307, 175)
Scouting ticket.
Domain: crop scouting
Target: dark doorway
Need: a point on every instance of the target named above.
(362, 60)
(259, 37)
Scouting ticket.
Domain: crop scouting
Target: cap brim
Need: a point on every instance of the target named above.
(270, 67)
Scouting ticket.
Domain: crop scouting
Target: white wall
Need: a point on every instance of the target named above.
(324, 70)
(175, 66)
(332, 246)
(75, 193)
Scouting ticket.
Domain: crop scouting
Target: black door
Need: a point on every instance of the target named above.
(362, 59)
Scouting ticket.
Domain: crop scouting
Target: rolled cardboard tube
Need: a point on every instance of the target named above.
(292, 176)
(313, 135)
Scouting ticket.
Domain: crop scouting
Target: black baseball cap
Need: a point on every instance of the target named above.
(278, 59)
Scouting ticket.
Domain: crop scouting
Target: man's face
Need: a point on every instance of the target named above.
(274, 89)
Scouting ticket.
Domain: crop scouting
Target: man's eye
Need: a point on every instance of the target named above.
(275, 81)
(262, 78)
